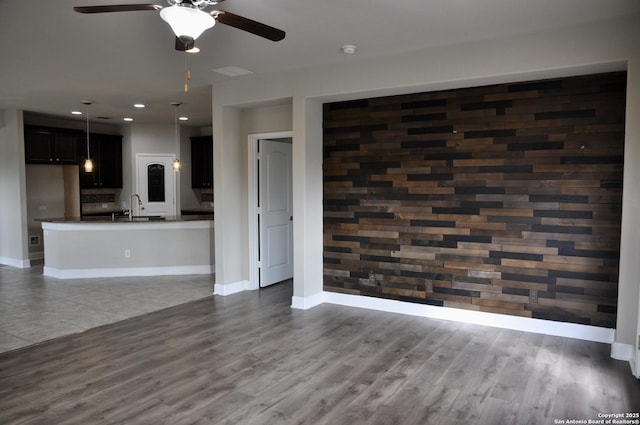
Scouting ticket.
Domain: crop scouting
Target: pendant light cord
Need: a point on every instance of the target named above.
(88, 152)
(176, 162)
(88, 164)
(175, 120)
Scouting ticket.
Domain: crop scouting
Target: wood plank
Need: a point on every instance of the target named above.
(520, 178)
(250, 358)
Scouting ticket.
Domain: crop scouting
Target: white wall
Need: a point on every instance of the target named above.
(153, 138)
(127, 249)
(13, 204)
(307, 201)
(45, 197)
(628, 324)
(229, 201)
(238, 123)
(270, 118)
(596, 47)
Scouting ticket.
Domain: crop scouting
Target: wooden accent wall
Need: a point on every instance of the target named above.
(503, 198)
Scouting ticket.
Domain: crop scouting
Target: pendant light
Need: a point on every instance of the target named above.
(88, 163)
(176, 162)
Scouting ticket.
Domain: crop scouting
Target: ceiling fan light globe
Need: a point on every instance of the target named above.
(187, 21)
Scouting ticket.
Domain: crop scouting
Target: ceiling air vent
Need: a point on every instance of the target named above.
(232, 71)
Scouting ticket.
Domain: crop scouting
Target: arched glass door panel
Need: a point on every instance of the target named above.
(155, 182)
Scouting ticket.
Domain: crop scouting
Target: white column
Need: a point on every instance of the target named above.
(13, 193)
(230, 203)
(628, 321)
(307, 202)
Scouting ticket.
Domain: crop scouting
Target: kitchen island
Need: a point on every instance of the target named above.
(113, 247)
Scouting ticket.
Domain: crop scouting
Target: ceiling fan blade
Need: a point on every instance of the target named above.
(116, 8)
(248, 25)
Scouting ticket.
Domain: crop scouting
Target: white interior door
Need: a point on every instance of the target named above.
(156, 185)
(276, 212)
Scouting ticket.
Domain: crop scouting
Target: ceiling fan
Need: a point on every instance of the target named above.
(188, 19)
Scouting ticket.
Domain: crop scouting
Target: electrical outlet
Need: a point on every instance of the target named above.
(533, 296)
(105, 205)
(34, 240)
(127, 253)
(372, 278)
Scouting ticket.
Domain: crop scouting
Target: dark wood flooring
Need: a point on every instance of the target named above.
(251, 359)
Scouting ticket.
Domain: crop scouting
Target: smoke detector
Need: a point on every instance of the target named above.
(348, 49)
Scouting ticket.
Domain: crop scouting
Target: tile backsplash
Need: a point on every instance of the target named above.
(95, 198)
(106, 200)
(206, 197)
(99, 200)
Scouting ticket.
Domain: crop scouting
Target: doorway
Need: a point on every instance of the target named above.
(155, 184)
(271, 208)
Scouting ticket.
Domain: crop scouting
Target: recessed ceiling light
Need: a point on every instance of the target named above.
(184, 118)
(127, 119)
(138, 105)
(232, 71)
(76, 113)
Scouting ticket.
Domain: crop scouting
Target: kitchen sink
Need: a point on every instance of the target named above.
(138, 218)
(148, 217)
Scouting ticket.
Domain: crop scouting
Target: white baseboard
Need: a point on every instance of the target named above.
(621, 351)
(305, 303)
(626, 352)
(526, 324)
(126, 271)
(14, 262)
(231, 288)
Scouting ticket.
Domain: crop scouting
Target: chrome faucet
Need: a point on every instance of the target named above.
(134, 195)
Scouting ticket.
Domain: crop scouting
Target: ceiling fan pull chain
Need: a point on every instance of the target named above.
(187, 72)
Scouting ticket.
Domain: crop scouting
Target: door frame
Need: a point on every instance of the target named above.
(171, 157)
(252, 202)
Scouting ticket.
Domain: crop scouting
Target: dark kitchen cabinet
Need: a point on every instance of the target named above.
(106, 154)
(44, 145)
(202, 162)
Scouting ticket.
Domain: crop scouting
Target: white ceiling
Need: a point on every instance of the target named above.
(53, 57)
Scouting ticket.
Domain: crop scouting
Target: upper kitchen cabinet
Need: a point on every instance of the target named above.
(44, 145)
(202, 162)
(106, 154)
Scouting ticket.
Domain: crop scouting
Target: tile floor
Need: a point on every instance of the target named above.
(35, 308)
